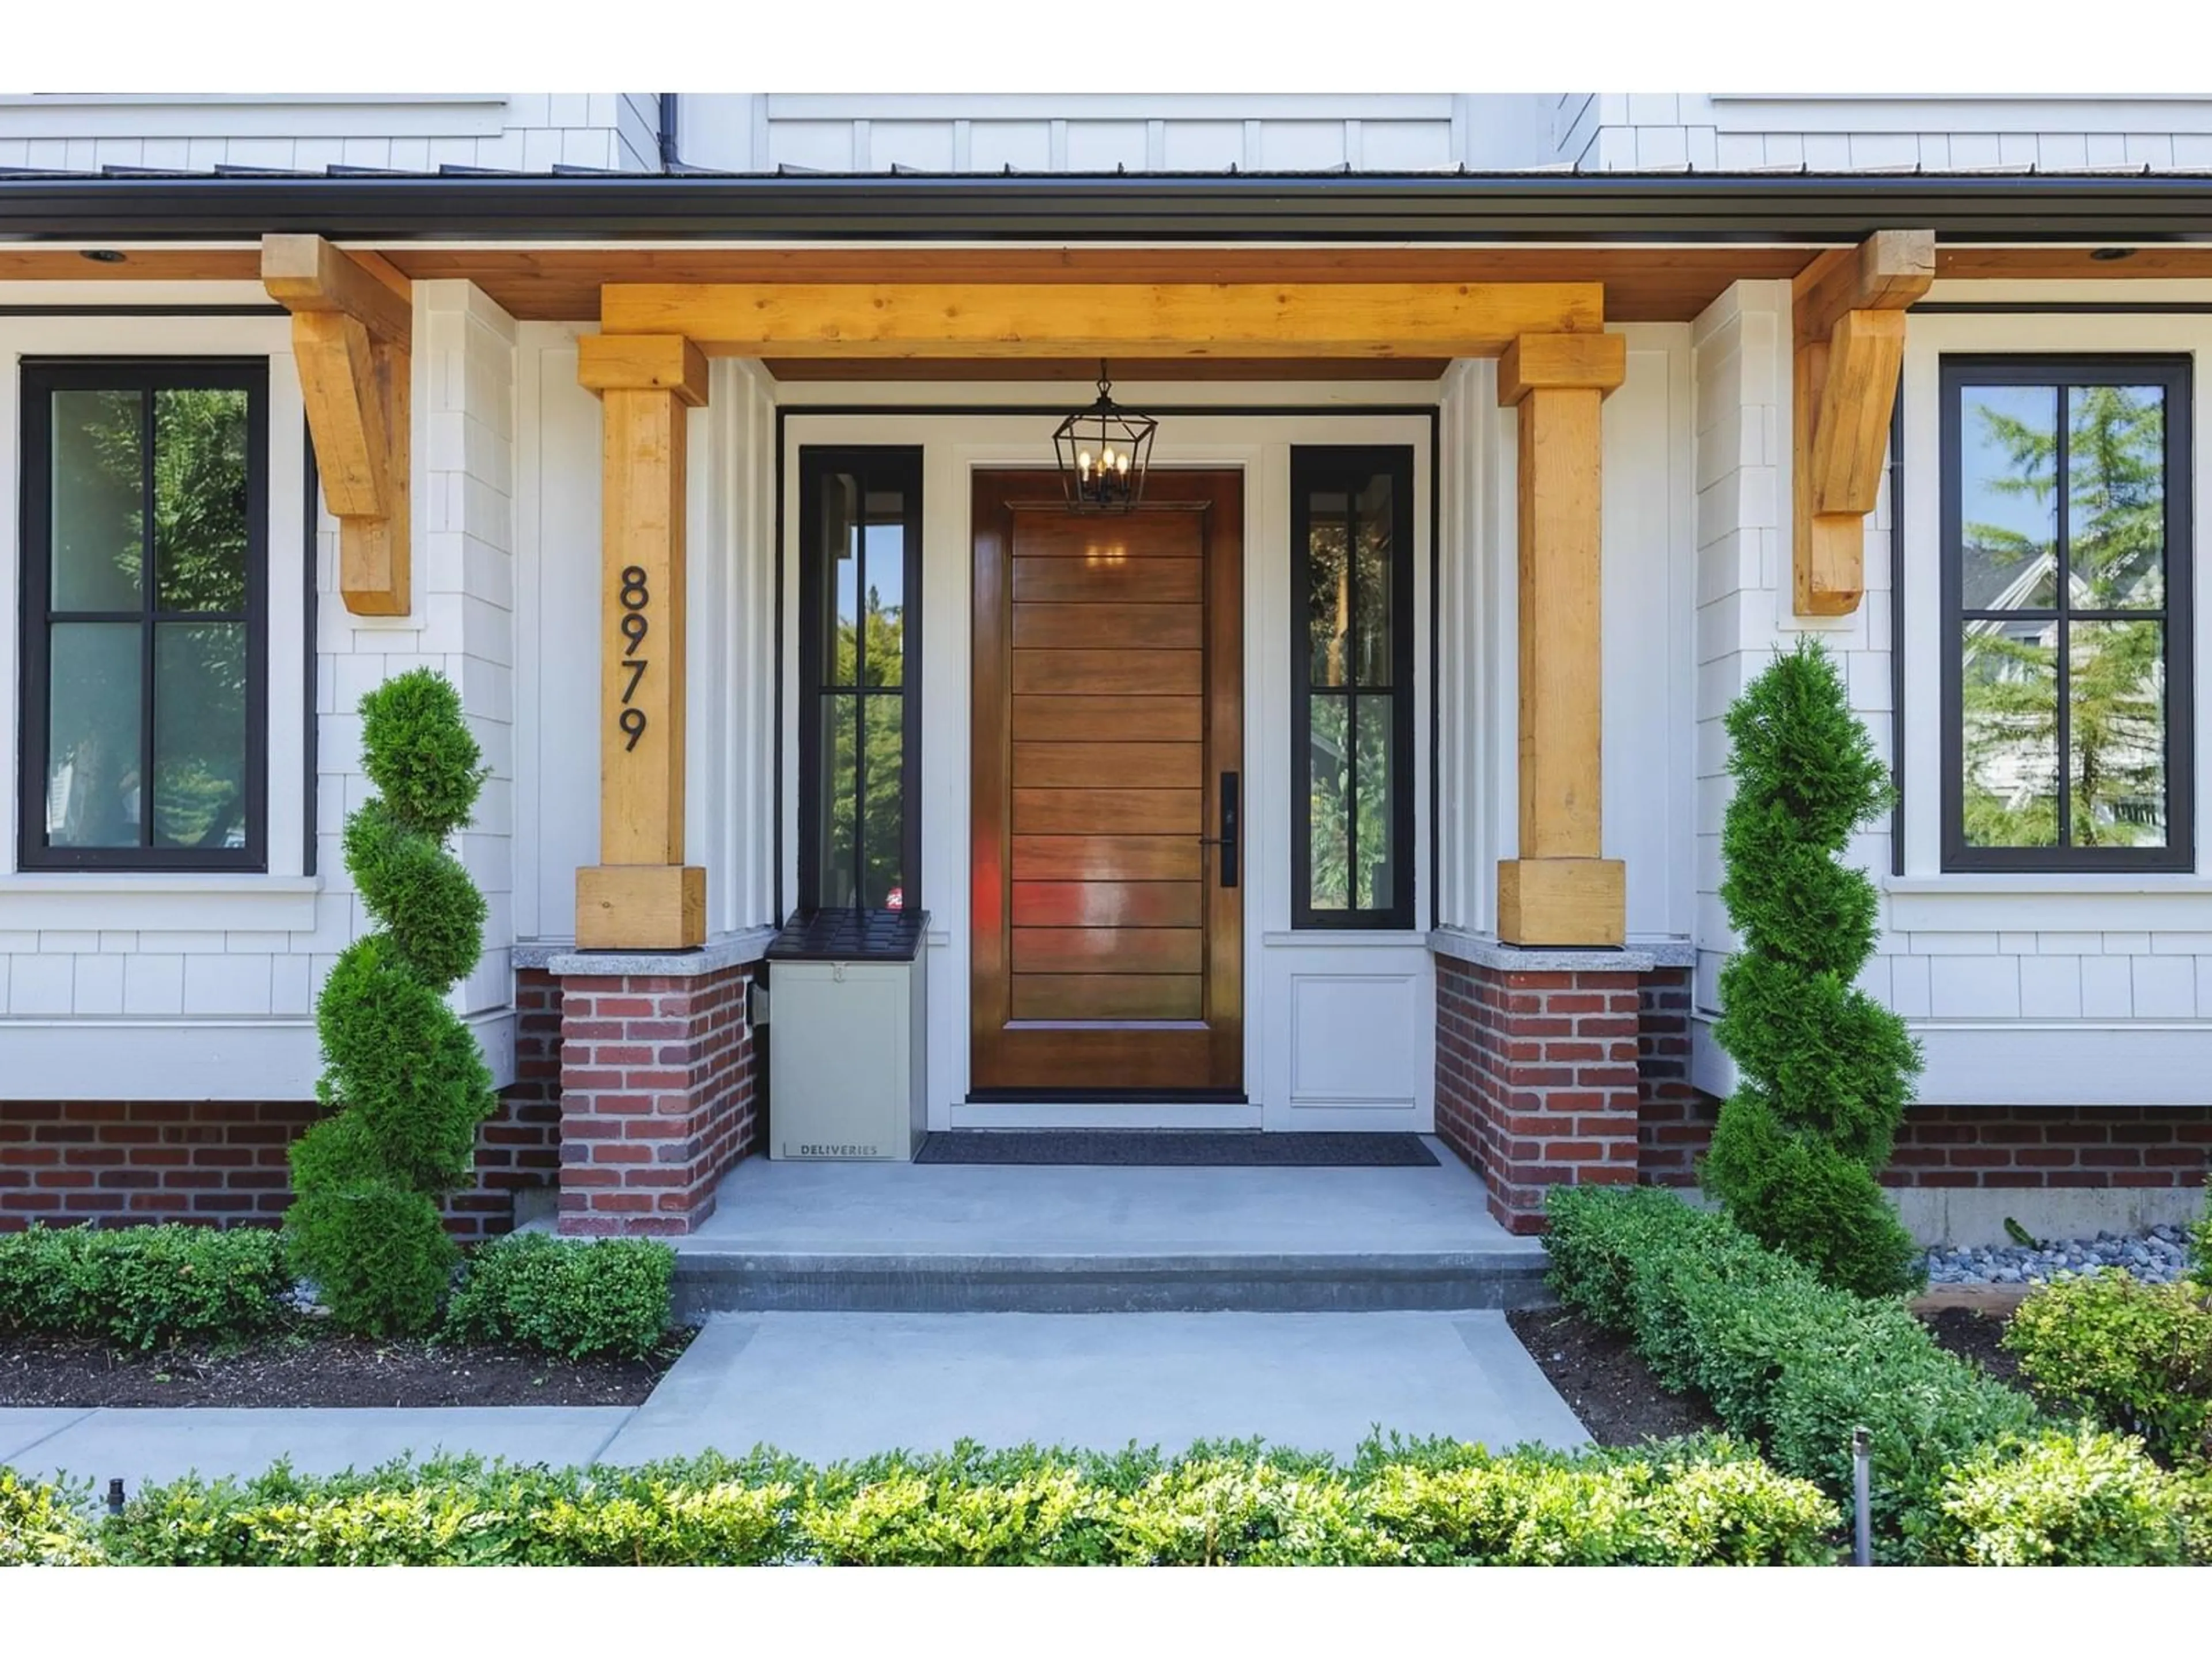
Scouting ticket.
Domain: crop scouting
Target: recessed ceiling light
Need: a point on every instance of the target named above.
(102, 256)
(2112, 253)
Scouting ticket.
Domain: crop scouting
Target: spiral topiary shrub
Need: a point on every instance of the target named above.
(1824, 1071)
(404, 1080)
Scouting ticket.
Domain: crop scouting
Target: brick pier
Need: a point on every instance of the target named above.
(658, 1090)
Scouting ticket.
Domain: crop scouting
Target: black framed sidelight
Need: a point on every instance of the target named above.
(2066, 543)
(859, 679)
(1352, 712)
(145, 529)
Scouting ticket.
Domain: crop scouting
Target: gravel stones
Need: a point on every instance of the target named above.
(2156, 1257)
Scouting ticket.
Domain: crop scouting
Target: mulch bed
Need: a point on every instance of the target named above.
(1605, 1381)
(1973, 1336)
(309, 1368)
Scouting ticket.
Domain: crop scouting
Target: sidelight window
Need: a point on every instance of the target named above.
(1352, 677)
(860, 751)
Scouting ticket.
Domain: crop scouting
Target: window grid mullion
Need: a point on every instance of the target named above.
(860, 700)
(147, 580)
(2063, 587)
(1349, 804)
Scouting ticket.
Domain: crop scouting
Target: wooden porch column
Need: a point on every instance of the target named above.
(1559, 891)
(642, 896)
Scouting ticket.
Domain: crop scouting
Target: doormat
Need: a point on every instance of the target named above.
(1179, 1148)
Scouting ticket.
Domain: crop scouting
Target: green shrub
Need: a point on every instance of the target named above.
(1691, 1503)
(1824, 1071)
(42, 1526)
(611, 1297)
(1685, 1503)
(404, 1080)
(142, 1287)
(1785, 1360)
(2077, 1498)
(2137, 1357)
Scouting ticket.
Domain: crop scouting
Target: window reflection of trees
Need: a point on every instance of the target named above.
(2113, 726)
(103, 557)
(1349, 735)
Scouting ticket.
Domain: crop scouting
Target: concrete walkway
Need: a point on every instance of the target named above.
(829, 1386)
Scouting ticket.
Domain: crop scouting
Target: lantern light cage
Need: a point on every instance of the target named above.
(1103, 452)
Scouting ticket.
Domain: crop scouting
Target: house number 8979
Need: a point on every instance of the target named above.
(635, 627)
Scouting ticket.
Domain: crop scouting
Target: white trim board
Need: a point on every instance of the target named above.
(2013, 1063)
(274, 1060)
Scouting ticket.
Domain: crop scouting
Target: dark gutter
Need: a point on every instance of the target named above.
(1444, 208)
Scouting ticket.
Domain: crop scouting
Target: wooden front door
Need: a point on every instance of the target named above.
(1107, 762)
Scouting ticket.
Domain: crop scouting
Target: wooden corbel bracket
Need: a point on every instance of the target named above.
(352, 327)
(1849, 311)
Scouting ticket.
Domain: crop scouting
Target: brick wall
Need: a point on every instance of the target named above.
(1537, 1081)
(2079, 1146)
(1673, 1120)
(658, 1099)
(223, 1163)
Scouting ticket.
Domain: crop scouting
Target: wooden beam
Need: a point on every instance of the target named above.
(306, 273)
(1560, 890)
(1108, 319)
(642, 896)
(1851, 434)
(1886, 272)
(1847, 318)
(351, 338)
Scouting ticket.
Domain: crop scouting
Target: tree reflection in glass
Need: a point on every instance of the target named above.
(2059, 681)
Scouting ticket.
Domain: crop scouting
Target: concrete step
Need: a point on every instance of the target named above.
(711, 1281)
(986, 1238)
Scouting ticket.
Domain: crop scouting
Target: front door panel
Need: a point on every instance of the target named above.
(1109, 668)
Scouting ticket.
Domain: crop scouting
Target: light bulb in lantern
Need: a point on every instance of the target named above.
(1082, 464)
(1122, 463)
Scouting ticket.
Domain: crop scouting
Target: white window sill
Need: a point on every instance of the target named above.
(153, 901)
(2041, 902)
(1988, 883)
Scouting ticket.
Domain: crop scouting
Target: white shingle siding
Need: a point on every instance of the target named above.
(2062, 964)
(1176, 132)
(1731, 132)
(517, 131)
(159, 957)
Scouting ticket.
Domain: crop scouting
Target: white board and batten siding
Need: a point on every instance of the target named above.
(2023, 989)
(1147, 132)
(187, 985)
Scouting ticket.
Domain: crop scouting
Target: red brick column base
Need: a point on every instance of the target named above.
(1537, 1082)
(656, 1093)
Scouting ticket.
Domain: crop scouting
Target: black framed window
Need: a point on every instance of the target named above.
(2066, 544)
(1352, 687)
(859, 617)
(145, 524)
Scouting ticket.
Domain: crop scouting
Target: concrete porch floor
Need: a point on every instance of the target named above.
(900, 1237)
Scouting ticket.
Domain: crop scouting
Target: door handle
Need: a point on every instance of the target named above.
(1226, 840)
